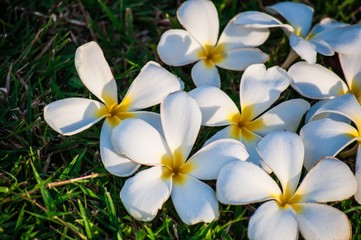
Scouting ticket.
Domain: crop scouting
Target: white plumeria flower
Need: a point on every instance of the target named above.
(72, 115)
(317, 82)
(327, 137)
(259, 89)
(234, 50)
(171, 174)
(289, 209)
(326, 38)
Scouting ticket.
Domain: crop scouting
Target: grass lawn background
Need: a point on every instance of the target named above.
(56, 187)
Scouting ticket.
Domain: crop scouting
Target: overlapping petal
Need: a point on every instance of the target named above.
(208, 161)
(243, 183)
(150, 87)
(114, 163)
(195, 201)
(260, 88)
(95, 72)
(239, 59)
(131, 135)
(319, 221)
(297, 14)
(351, 68)
(344, 105)
(216, 106)
(255, 19)
(144, 194)
(330, 180)
(181, 121)
(285, 116)
(315, 81)
(345, 40)
(271, 222)
(305, 49)
(235, 35)
(205, 73)
(287, 162)
(325, 137)
(72, 115)
(200, 19)
(177, 48)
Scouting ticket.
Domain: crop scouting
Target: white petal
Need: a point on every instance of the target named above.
(150, 87)
(114, 163)
(345, 40)
(95, 72)
(255, 19)
(310, 113)
(150, 117)
(315, 81)
(358, 174)
(297, 14)
(176, 47)
(283, 152)
(139, 141)
(325, 137)
(144, 194)
(345, 105)
(72, 115)
(200, 19)
(181, 121)
(322, 47)
(243, 183)
(285, 116)
(204, 73)
(237, 36)
(305, 49)
(325, 25)
(216, 106)
(319, 221)
(330, 180)
(260, 88)
(351, 68)
(239, 59)
(248, 138)
(208, 161)
(195, 201)
(272, 223)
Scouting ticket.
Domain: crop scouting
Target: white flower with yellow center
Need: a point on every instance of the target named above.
(328, 137)
(234, 50)
(170, 173)
(289, 209)
(259, 89)
(326, 38)
(72, 115)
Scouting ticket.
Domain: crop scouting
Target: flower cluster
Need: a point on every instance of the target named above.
(259, 135)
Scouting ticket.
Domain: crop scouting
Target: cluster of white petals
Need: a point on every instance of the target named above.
(259, 135)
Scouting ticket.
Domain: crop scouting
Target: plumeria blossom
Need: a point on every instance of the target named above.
(317, 82)
(326, 38)
(259, 89)
(289, 208)
(199, 43)
(328, 137)
(170, 173)
(72, 115)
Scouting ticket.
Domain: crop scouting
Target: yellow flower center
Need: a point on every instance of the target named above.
(212, 55)
(287, 199)
(355, 89)
(114, 112)
(175, 167)
(243, 125)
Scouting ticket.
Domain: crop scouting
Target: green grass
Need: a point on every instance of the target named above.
(56, 187)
